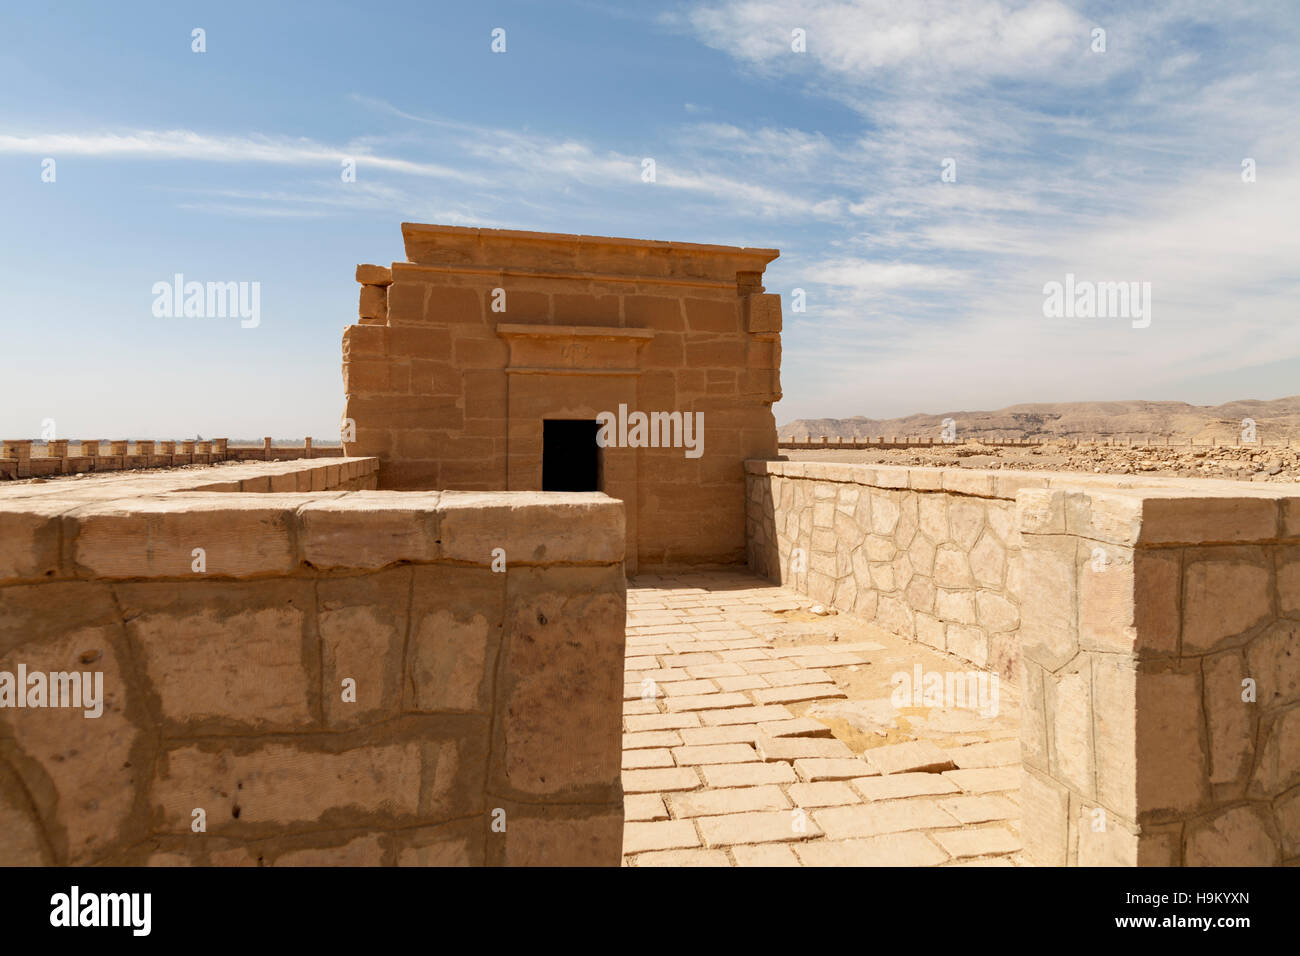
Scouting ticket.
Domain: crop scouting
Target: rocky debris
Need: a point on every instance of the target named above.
(1247, 462)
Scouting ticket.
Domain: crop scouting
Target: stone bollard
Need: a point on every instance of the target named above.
(306, 447)
(20, 449)
(58, 448)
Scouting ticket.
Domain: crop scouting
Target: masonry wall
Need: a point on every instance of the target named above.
(1156, 640)
(485, 725)
(927, 553)
(460, 353)
(1162, 677)
(28, 459)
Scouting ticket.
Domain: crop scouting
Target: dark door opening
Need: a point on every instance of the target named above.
(570, 455)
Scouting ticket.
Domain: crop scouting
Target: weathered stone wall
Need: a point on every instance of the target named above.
(485, 724)
(1161, 695)
(927, 553)
(460, 353)
(1156, 641)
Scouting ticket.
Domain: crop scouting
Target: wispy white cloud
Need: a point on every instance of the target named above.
(873, 276)
(1114, 165)
(190, 145)
(924, 37)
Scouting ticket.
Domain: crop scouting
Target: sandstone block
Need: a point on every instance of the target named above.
(552, 527)
(1277, 767)
(890, 849)
(1045, 823)
(1191, 520)
(758, 827)
(374, 275)
(362, 624)
(232, 655)
(763, 313)
(731, 800)
(915, 756)
(1239, 836)
(1047, 601)
(1274, 664)
(144, 537)
(1172, 765)
(282, 785)
(568, 836)
(559, 686)
(1116, 732)
(90, 765)
(368, 530)
(1225, 593)
(888, 816)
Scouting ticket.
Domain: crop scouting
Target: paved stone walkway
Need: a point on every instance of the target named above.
(759, 734)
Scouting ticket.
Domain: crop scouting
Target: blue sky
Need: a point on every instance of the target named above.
(922, 295)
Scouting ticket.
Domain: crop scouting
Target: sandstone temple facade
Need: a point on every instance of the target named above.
(474, 365)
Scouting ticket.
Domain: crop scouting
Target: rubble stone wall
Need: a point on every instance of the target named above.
(927, 553)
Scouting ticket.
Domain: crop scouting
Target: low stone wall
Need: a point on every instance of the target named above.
(1161, 689)
(346, 677)
(928, 553)
(28, 459)
(1155, 635)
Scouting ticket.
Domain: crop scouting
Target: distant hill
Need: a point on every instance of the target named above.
(1275, 419)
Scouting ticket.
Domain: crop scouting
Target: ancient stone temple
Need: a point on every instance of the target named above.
(492, 359)
(380, 658)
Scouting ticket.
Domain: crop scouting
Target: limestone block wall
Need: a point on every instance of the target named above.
(354, 677)
(929, 553)
(460, 353)
(1161, 697)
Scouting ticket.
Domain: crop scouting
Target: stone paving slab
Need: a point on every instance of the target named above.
(911, 757)
(795, 748)
(684, 858)
(644, 807)
(899, 785)
(764, 854)
(706, 803)
(830, 793)
(730, 763)
(643, 759)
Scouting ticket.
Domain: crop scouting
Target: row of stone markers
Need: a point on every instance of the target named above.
(719, 770)
(17, 460)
